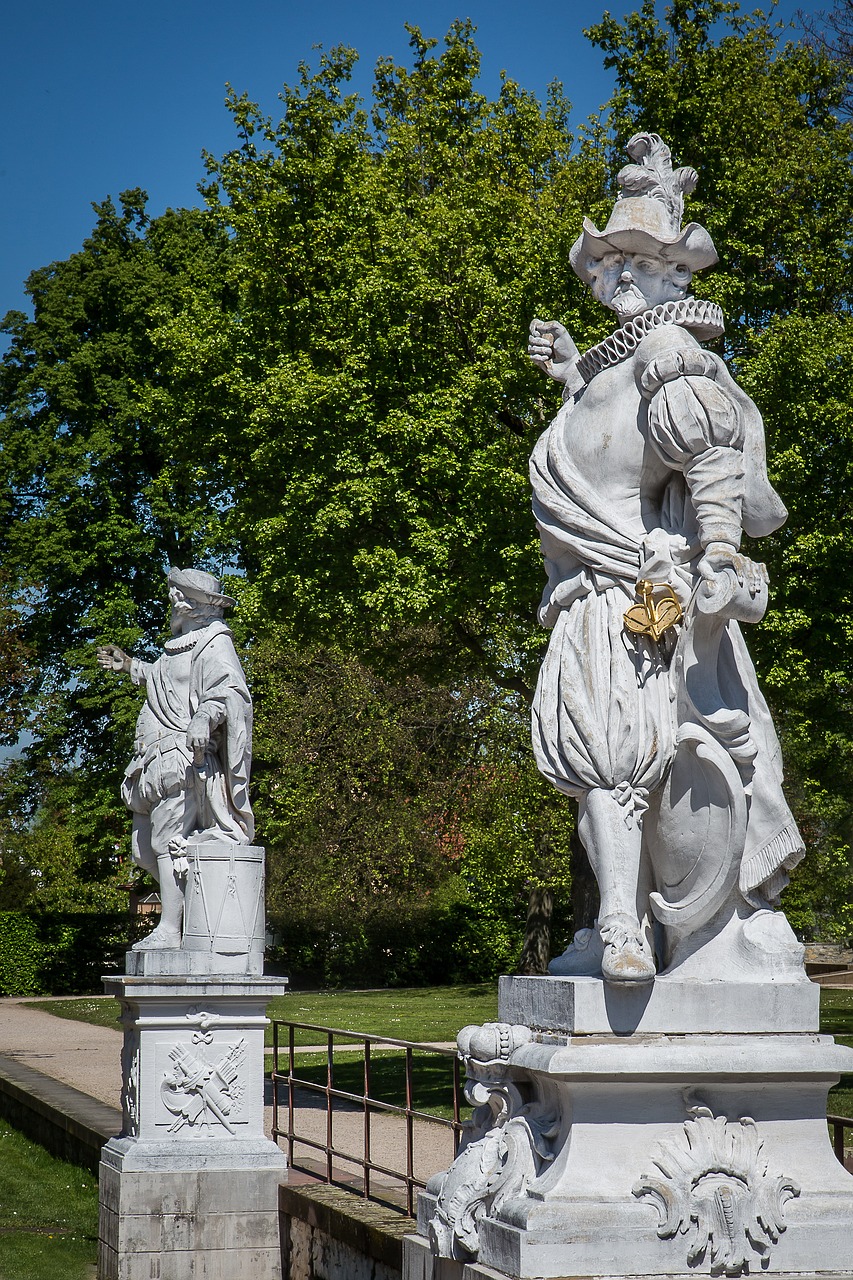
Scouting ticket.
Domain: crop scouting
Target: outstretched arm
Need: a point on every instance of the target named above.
(112, 658)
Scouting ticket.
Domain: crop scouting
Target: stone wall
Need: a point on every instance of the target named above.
(331, 1234)
(67, 1123)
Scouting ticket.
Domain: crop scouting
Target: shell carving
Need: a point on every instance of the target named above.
(714, 1187)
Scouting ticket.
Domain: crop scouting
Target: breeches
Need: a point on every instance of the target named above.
(602, 715)
(175, 814)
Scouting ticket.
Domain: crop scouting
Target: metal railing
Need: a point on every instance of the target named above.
(839, 1124)
(288, 1080)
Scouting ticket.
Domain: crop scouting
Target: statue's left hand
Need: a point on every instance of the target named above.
(720, 556)
(198, 737)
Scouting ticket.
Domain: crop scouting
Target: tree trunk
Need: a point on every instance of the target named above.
(536, 951)
(585, 897)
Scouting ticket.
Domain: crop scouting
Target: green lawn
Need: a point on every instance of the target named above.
(836, 1015)
(48, 1214)
(407, 1013)
(410, 1013)
(432, 1078)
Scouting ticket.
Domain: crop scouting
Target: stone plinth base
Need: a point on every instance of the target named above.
(179, 1211)
(624, 1154)
(669, 1005)
(176, 962)
(190, 1188)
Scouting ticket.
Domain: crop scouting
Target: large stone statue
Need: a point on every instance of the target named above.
(628, 1123)
(189, 776)
(647, 708)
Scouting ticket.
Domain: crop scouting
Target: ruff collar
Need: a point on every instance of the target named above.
(705, 319)
(183, 643)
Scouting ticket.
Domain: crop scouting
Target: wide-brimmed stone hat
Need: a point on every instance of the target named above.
(203, 587)
(647, 215)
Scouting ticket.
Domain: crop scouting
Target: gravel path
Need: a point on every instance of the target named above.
(87, 1057)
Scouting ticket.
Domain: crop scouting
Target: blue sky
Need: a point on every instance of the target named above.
(102, 95)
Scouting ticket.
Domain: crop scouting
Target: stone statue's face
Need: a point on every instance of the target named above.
(188, 615)
(629, 283)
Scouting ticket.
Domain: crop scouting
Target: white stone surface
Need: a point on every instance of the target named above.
(191, 1185)
(165, 962)
(168, 1214)
(563, 1170)
(657, 1107)
(671, 1004)
(420, 1264)
(193, 1055)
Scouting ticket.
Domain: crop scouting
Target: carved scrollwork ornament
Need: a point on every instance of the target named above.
(713, 1185)
(509, 1141)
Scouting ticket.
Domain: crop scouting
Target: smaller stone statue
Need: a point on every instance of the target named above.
(188, 781)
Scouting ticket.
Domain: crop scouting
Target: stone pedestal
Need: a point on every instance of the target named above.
(602, 1149)
(190, 1187)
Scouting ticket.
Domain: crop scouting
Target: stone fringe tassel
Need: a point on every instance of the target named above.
(768, 869)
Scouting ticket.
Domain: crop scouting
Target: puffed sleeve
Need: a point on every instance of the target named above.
(695, 427)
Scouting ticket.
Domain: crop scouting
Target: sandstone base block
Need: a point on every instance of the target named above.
(177, 1212)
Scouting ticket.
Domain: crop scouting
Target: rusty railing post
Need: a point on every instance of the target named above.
(366, 1119)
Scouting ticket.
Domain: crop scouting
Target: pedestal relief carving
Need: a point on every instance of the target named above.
(510, 1140)
(201, 1094)
(716, 1189)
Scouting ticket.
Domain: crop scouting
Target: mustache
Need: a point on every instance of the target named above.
(628, 301)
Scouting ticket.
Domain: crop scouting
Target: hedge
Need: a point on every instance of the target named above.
(63, 953)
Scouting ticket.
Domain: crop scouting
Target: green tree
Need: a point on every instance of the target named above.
(320, 381)
(102, 484)
(404, 820)
(388, 269)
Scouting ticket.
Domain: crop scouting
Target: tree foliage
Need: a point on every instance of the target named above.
(403, 824)
(388, 269)
(319, 382)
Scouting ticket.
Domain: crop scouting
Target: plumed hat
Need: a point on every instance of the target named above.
(647, 215)
(203, 587)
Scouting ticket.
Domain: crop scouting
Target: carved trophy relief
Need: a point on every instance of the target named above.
(713, 1185)
(130, 1092)
(129, 1071)
(200, 1094)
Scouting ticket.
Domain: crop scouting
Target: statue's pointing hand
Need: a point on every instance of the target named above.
(111, 658)
(552, 349)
